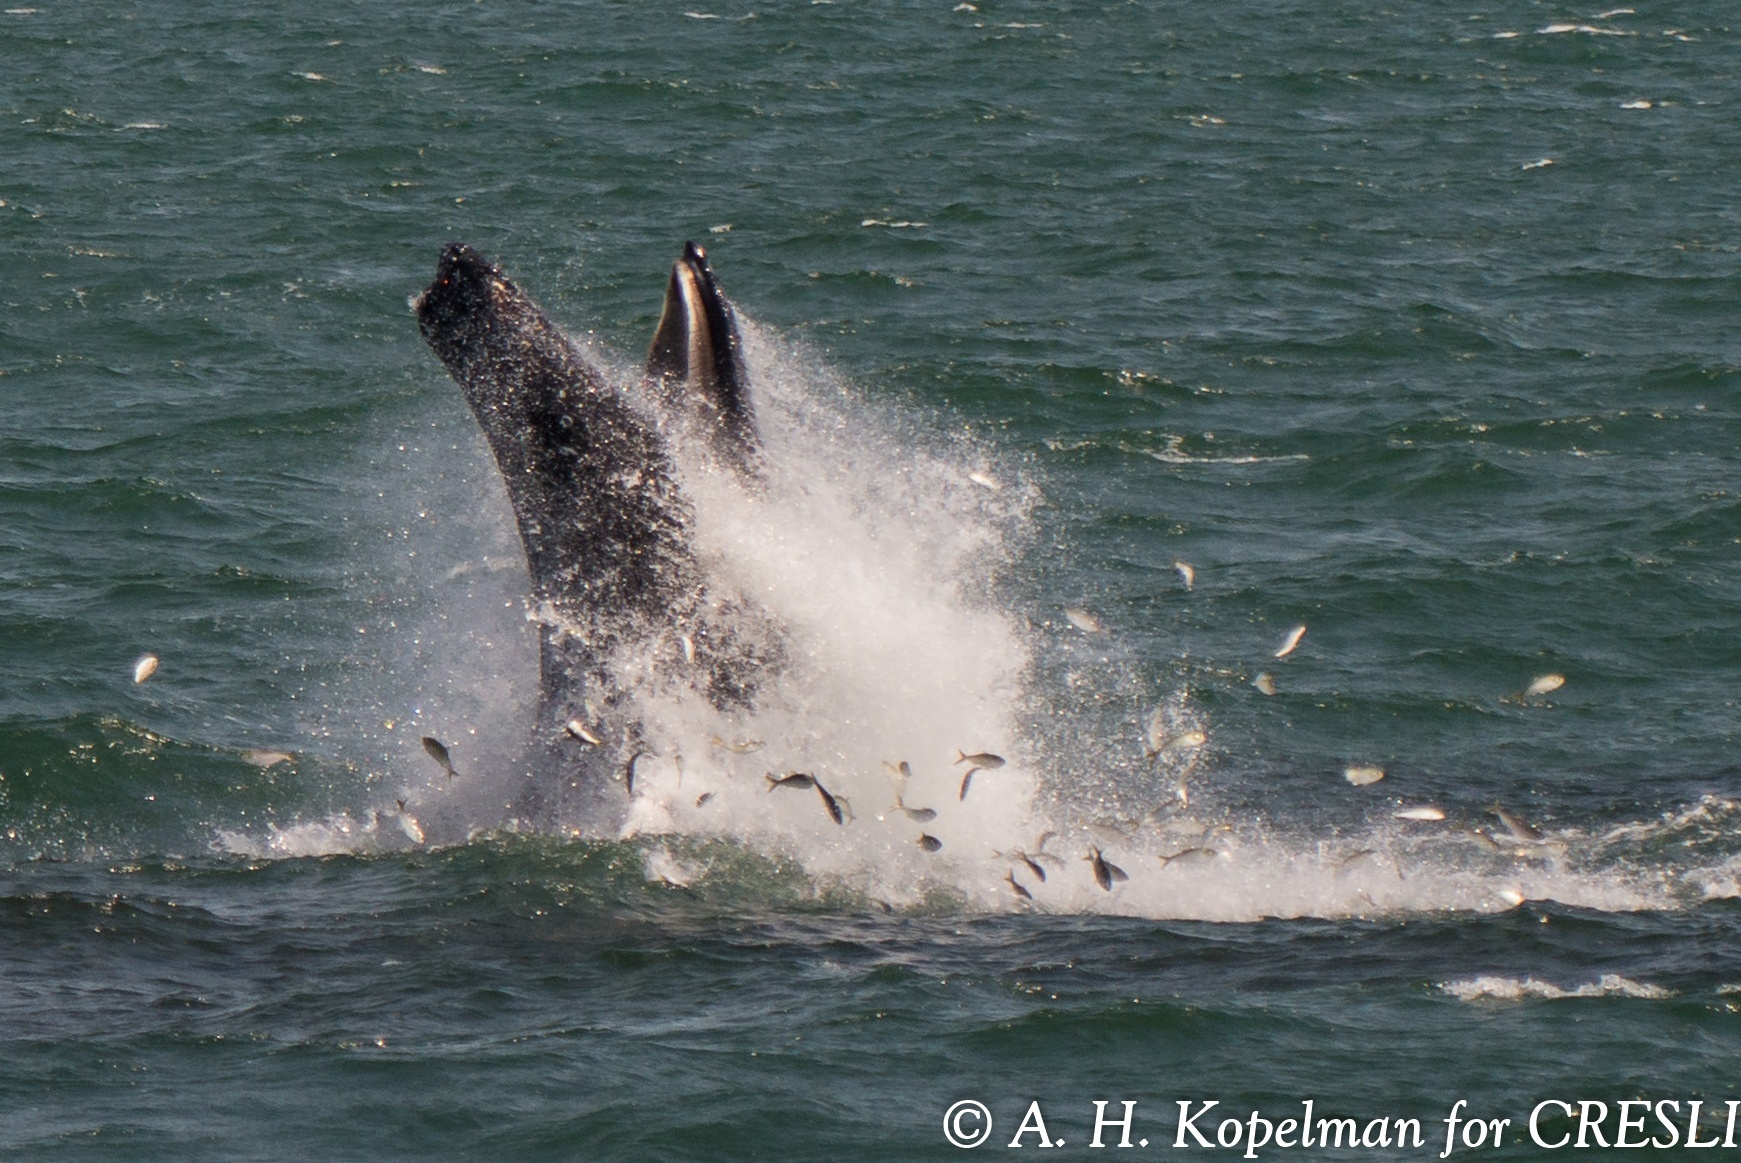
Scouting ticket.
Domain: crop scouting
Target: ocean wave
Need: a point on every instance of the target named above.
(1497, 988)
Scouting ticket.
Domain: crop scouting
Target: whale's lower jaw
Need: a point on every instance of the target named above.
(695, 367)
(624, 607)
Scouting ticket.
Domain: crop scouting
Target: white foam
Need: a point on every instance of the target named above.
(1492, 988)
(336, 835)
(872, 548)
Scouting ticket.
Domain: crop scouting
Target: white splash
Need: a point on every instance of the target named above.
(1493, 988)
(880, 554)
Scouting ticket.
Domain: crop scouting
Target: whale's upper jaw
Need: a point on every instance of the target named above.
(466, 285)
(696, 366)
(473, 316)
(589, 479)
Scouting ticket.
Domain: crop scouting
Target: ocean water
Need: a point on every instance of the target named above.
(1417, 326)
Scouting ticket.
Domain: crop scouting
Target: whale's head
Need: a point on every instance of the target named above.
(505, 353)
(469, 301)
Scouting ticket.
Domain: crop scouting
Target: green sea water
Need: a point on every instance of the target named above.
(1415, 325)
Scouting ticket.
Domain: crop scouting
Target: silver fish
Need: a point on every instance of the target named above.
(795, 779)
(1039, 851)
(1483, 840)
(985, 481)
(575, 729)
(930, 843)
(438, 752)
(1188, 856)
(1156, 729)
(917, 815)
(1186, 573)
(1105, 872)
(267, 758)
(1520, 830)
(1291, 641)
(1160, 740)
(703, 798)
(1107, 834)
(965, 781)
(829, 802)
(1017, 885)
(1034, 866)
(144, 668)
(744, 748)
(984, 759)
(1083, 620)
(1544, 684)
(1186, 741)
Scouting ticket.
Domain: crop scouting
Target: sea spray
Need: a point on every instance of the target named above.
(915, 604)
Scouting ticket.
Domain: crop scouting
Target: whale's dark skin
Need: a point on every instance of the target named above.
(589, 479)
(589, 474)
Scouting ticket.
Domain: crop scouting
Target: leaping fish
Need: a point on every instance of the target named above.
(1544, 684)
(1033, 865)
(983, 761)
(830, 802)
(575, 729)
(917, 815)
(1083, 620)
(1188, 856)
(437, 751)
(1039, 851)
(1521, 831)
(1105, 872)
(743, 748)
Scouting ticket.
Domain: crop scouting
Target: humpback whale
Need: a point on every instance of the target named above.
(621, 600)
